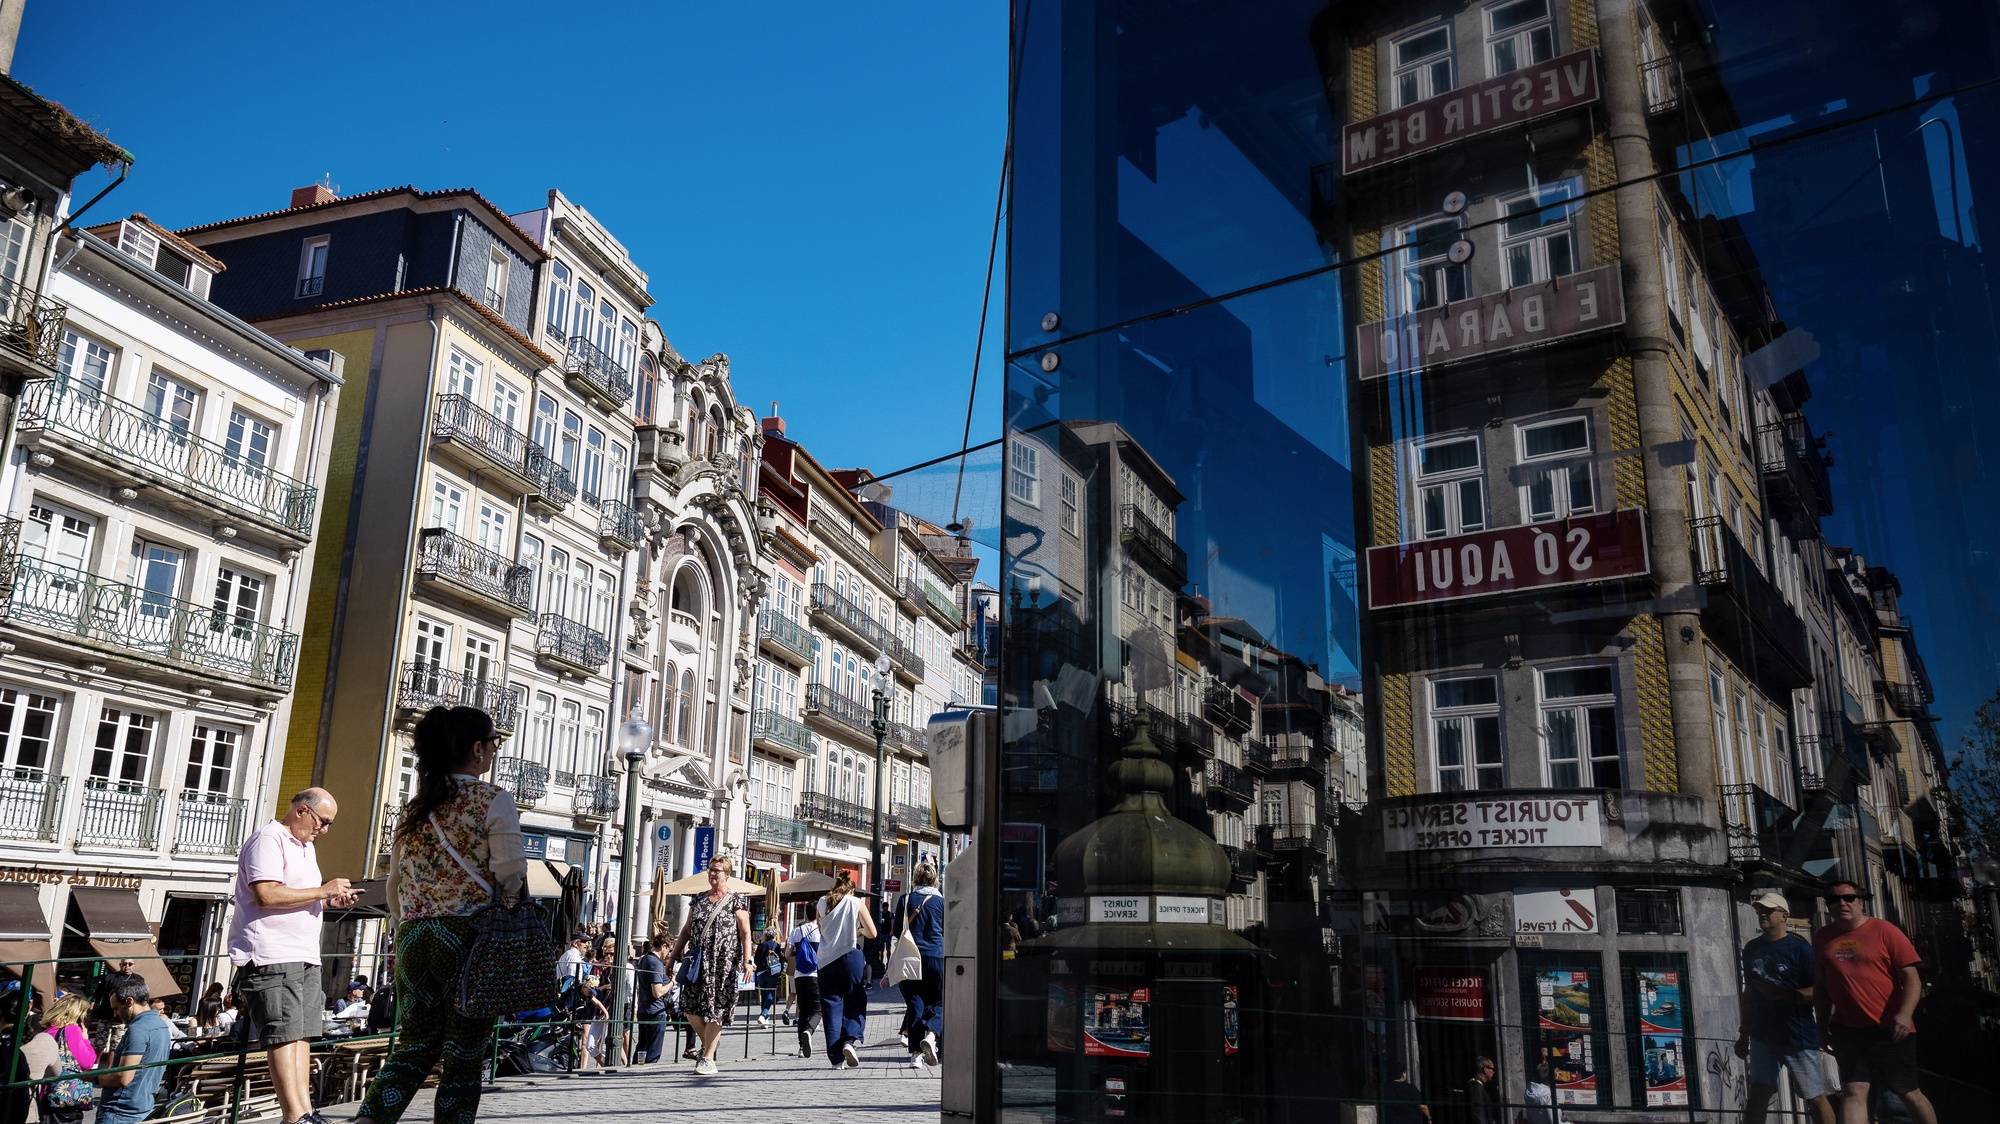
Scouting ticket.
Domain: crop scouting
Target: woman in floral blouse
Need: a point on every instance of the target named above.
(718, 927)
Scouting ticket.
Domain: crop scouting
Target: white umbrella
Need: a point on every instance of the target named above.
(698, 884)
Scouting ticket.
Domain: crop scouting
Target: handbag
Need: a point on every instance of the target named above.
(512, 963)
(906, 964)
(70, 1092)
(689, 972)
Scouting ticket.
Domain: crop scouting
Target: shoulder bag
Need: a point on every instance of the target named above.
(72, 1092)
(511, 966)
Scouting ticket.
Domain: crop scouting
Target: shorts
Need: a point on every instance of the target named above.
(1807, 1067)
(1870, 1055)
(281, 1002)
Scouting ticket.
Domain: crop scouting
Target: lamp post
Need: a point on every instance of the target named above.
(880, 724)
(633, 738)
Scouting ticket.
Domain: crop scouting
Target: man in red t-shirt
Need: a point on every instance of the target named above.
(1867, 1001)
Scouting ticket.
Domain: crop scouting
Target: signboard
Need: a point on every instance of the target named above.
(1566, 1000)
(664, 833)
(1581, 548)
(1452, 992)
(1180, 911)
(1662, 1036)
(892, 885)
(1117, 1024)
(704, 848)
(1555, 911)
(1021, 857)
(1120, 909)
(1492, 324)
(1517, 823)
(1497, 103)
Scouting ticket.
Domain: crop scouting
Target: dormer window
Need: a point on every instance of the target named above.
(138, 243)
(144, 246)
(496, 281)
(312, 266)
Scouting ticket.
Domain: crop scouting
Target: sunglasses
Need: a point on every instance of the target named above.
(1836, 899)
(324, 823)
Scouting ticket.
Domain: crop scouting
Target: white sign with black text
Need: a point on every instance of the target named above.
(1555, 911)
(1501, 824)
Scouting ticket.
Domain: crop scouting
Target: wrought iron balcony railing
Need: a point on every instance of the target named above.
(210, 823)
(138, 442)
(460, 419)
(831, 811)
(587, 365)
(1296, 837)
(596, 797)
(312, 286)
(906, 658)
(618, 523)
(392, 814)
(848, 617)
(1200, 735)
(31, 803)
(788, 634)
(786, 733)
(907, 737)
(936, 600)
(118, 814)
(1662, 80)
(554, 487)
(424, 686)
(496, 299)
(1229, 781)
(571, 642)
(527, 780)
(911, 818)
(455, 558)
(777, 831)
(1154, 544)
(1257, 755)
(1227, 709)
(31, 325)
(131, 620)
(824, 700)
(1905, 699)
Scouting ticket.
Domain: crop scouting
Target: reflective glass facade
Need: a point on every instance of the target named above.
(1490, 489)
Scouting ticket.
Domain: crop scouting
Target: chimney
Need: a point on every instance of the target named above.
(312, 195)
(774, 426)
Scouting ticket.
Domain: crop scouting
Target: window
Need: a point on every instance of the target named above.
(541, 727)
(447, 505)
(138, 243)
(312, 266)
(628, 344)
(85, 364)
(1465, 733)
(1580, 727)
(605, 601)
(1537, 240)
(27, 734)
(593, 742)
(531, 557)
(1518, 33)
(211, 763)
(584, 322)
(433, 641)
(172, 401)
(493, 527)
(55, 535)
(123, 753)
(1556, 457)
(569, 736)
(546, 414)
(558, 298)
(1430, 277)
(507, 404)
(462, 374)
(479, 659)
(1670, 271)
(1024, 475)
(607, 327)
(249, 440)
(496, 280)
(1421, 65)
(570, 444)
(1649, 911)
(593, 467)
(239, 600)
(555, 597)
(1451, 487)
(618, 478)
(684, 722)
(156, 568)
(1071, 499)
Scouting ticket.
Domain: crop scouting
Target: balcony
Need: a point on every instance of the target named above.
(496, 299)
(619, 527)
(483, 442)
(786, 639)
(423, 686)
(592, 373)
(210, 823)
(31, 329)
(1242, 865)
(127, 446)
(117, 814)
(1765, 831)
(774, 731)
(454, 566)
(829, 705)
(550, 487)
(1200, 736)
(1794, 467)
(1662, 81)
(72, 607)
(1229, 784)
(910, 819)
(1311, 837)
(527, 780)
(907, 738)
(1228, 709)
(1167, 730)
(392, 814)
(1297, 756)
(782, 832)
(1744, 613)
(571, 645)
(1257, 755)
(1152, 545)
(596, 798)
(30, 805)
(936, 602)
(1906, 699)
(844, 616)
(833, 812)
(908, 664)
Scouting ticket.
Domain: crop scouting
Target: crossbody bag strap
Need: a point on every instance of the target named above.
(458, 858)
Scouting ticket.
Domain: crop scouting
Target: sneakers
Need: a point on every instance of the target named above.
(928, 1049)
(916, 1062)
(705, 1067)
(903, 1039)
(848, 1055)
(763, 1020)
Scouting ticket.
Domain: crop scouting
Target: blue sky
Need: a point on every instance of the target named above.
(809, 186)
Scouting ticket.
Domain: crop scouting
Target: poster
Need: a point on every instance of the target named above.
(1455, 993)
(1117, 1024)
(1662, 1036)
(1062, 1018)
(1565, 999)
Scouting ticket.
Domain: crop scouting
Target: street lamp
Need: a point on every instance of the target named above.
(633, 738)
(881, 727)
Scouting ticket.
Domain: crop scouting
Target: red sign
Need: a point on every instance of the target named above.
(1523, 316)
(1496, 103)
(1450, 992)
(1582, 548)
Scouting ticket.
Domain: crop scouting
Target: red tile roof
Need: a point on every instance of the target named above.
(490, 316)
(381, 193)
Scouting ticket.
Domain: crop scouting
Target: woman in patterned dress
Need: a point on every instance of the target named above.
(432, 895)
(719, 927)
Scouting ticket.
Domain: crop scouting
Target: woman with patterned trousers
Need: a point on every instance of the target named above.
(458, 848)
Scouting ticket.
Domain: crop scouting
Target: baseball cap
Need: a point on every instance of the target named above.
(1771, 899)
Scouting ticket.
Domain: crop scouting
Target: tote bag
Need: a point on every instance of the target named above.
(512, 963)
(906, 965)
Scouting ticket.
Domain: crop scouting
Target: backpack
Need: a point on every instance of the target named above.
(806, 960)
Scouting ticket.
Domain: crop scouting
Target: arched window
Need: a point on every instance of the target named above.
(714, 431)
(669, 699)
(686, 727)
(647, 398)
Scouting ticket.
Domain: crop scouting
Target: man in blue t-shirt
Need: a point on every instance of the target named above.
(650, 991)
(1776, 1008)
(148, 1040)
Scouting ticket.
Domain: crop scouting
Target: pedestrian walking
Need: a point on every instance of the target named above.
(769, 961)
(651, 994)
(64, 1036)
(1403, 1102)
(573, 964)
(591, 1013)
(1481, 1102)
(803, 953)
(274, 941)
(923, 998)
(148, 1040)
(458, 849)
(1775, 1014)
(1539, 1097)
(712, 955)
(1867, 1003)
(844, 923)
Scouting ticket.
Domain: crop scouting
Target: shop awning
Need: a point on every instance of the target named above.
(145, 958)
(111, 915)
(545, 878)
(25, 936)
(372, 901)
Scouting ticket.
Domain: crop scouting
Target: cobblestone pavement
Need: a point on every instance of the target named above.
(772, 1085)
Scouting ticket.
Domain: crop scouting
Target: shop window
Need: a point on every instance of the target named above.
(1465, 733)
(1451, 487)
(1563, 1005)
(1649, 911)
(1657, 1027)
(1422, 65)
